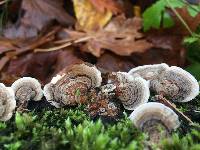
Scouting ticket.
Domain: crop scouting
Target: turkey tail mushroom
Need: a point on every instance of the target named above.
(117, 78)
(87, 72)
(7, 102)
(26, 89)
(148, 72)
(132, 92)
(155, 119)
(72, 85)
(176, 84)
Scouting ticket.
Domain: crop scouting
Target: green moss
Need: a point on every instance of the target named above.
(72, 129)
(67, 129)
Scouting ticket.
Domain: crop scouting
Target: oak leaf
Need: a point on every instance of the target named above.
(120, 36)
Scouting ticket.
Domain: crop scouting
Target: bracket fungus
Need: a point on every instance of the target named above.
(72, 85)
(176, 84)
(118, 78)
(7, 102)
(148, 72)
(26, 89)
(155, 119)
(132, 92)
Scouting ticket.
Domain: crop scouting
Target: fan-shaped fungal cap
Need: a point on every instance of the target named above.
(56, 78)
(148, 72)
(133, 93)
(84, 70)
(176, 84)
(49, 95)
(27, 88)
(71, 85)
(117, 78)
(68, 91)
(152, 117)
(7, 102)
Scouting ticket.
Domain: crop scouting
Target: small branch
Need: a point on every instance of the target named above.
(180, 18)
(40, 41)
(163, 100)
(83, 39)
(3, 2)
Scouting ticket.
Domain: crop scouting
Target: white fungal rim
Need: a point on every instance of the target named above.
(191, 78)
(18, 83)
(92, 69)
(55, 79)
(128, 76)
(47, 92)
(146, 95)
(99, 78)
(131, 72)
(85, 69)
(154, 107)
(49, 95)
(11, 102)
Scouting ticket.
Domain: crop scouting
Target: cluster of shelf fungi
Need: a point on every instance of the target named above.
(108, 94)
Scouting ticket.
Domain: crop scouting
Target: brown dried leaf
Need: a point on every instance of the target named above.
(103, 5)
(42, 66)
(38, 14)
(121, 36)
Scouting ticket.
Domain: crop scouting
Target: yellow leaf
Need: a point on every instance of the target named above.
(88, 17)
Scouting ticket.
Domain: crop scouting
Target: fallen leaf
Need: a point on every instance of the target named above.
(121, 36)
(88, 17)
(38, 14)
(111, 5)
(42, 66)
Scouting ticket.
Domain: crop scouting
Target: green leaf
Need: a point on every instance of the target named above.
(13, 146)
(175, 3)
(191, 40)
(193, 10)
(167, 20)
(157, 13)
(153, 15)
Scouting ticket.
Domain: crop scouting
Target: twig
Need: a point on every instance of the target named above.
(64, 45)
(180, 18)
(47, 38)
(40, 41)
(3, 2)
(4, 60)
(163, 100)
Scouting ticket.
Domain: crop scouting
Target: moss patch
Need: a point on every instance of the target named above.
(72, 129)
